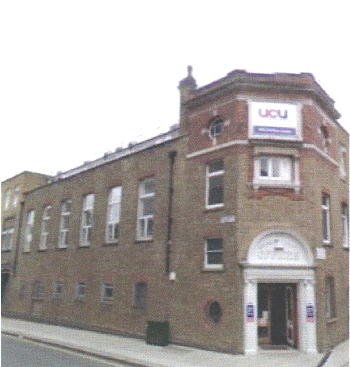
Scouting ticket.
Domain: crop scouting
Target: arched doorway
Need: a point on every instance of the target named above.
(279, 297)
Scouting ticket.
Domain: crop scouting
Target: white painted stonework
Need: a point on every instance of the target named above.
(280, 256)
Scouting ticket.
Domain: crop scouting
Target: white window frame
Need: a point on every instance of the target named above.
(342, 161)
(208, 252)
(113, 214)
(145, 221)
(105, 287)
(345, 225)
(209, 177)
(326, 219)
(7, 199)
(28, 234)
(286, 171)
(45, 227)
(16, 196)
(64, 223)
(7, 239)
(87, 220)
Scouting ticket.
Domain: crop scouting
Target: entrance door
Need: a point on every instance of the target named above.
(291, 323)
(277, 315)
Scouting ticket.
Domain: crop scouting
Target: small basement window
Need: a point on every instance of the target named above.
(214, 311)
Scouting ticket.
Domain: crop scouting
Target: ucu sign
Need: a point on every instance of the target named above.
(271, 113)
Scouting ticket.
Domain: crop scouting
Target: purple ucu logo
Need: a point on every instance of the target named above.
(271, 113)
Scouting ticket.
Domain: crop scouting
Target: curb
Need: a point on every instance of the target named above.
(61, 345)
(325, 357)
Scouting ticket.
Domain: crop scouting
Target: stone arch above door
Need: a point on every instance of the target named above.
(279, 247)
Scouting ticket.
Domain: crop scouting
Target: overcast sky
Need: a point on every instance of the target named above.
(80, 78)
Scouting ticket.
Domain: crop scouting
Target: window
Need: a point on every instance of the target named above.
(7, 199)
(345, 224)
(326, 235)
(57, 290)
(274, 170)
(140, 296)
(342, 161)
(38, 290)
(216, 127)
(28, 235)
(214, 253)
(215, 184)
(214, 311)
(80, 291)
(145, 210)
(86, 220)
(45, 227)
(7, 235)
(330, 298)
(16, 196)
(107, 292)
(64, 224)
(113, 214)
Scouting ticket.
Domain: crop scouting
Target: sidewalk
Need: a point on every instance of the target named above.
(137, 352)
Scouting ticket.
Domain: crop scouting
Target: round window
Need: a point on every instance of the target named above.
(214, 311)
(216, 127)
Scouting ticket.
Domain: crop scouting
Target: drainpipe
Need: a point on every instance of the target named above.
(172, 156)
(18, 239)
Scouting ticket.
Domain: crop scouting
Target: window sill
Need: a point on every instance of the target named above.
(6, 250)
(214, 208)
(273, 184)
(144, 240)
(213, 270)
(327, 244)
(107, 244)
(42, 249)
(61, 248)
(332, 320)
(84, 246)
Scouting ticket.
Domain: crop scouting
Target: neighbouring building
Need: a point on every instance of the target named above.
(232, 227)
(12, 193)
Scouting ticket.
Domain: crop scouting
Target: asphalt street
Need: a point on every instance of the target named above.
(17, 352)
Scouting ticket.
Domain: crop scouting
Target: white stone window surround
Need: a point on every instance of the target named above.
(345, 224)
(45, 227)
(64, 223)
(113, 214)
(276, 152)
(299, 270)
(146, 209)
(28, 234)
(215, 179)
(87, 220)
(213, 256)
(326, 218)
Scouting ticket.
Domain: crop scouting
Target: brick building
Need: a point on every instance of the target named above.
(12, 193)
(232, 227)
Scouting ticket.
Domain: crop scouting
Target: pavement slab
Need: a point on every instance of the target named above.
(136, 352)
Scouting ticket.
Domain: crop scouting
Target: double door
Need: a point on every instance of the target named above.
(277, 314)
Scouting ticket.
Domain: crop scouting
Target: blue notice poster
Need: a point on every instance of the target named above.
(250, 312)
(310, 316)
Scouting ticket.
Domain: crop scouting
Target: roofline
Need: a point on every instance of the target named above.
(240, 79)
(26, 173)
(119, 153)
